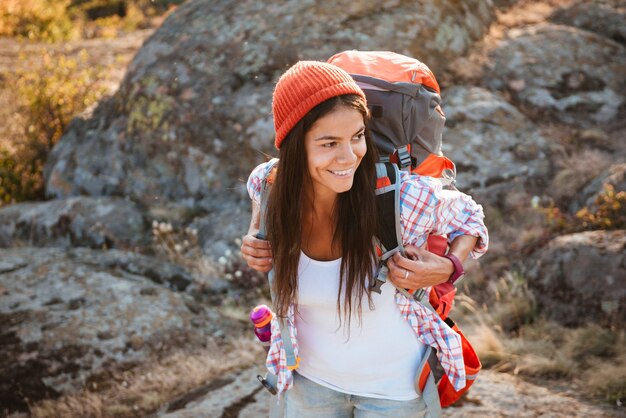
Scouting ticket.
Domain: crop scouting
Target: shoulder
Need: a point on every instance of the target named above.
(260, 173)
(263, 170)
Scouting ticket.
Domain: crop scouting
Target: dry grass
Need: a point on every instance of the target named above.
(141, 391)
(607, 379)
(510, 336)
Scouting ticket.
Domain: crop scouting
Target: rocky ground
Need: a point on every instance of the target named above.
(123, 295)
(493, 395)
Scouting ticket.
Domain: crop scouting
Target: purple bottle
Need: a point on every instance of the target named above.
(261, 316)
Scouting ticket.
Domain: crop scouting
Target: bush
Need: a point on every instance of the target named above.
(609, 211)
(61, 20)
(50, 95)
(46, 20)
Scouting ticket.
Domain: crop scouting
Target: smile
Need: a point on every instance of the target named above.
(342, 173)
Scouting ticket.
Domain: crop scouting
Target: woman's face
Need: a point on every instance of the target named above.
(335, 146)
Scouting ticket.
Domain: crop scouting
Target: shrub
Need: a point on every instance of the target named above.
(46, 20)
(61, 20)
(609, 211)
(50, 95)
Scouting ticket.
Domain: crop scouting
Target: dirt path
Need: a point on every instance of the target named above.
(493, 395)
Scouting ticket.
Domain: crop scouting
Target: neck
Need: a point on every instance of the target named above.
(320, 205)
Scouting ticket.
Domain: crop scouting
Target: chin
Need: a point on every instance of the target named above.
(343, 189)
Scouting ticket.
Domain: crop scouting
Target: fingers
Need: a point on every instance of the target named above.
(402, 262)
(261, 265)
(398, 268)
(397, 273)
(257, 253)
(415, 253)
(255, 247)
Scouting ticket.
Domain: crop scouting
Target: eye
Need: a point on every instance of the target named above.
(329, 144)
(359, 137)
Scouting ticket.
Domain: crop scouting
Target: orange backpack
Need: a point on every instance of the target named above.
(406, 124)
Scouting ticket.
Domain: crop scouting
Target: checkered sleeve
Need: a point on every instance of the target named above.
(255, 180)
(426, 208)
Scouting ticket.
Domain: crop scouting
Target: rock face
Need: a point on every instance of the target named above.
(580, 277)
(614, 175)
(193, 113)
(66, 316)
(563, 72)
(489, 140)
(594, 16)
(74, 222)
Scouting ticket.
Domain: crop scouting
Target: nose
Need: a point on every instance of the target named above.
(346, 153)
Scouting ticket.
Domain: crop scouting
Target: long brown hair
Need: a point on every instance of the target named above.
(355, 215)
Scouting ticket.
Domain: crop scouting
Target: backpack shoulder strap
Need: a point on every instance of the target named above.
(388, 233)
(292, 361)
(388, 205)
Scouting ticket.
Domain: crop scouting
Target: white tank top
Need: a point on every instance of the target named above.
(378, 358)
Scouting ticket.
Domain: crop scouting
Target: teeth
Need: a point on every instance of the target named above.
(342, 172)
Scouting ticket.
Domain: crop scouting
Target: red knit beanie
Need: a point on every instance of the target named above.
(302, 87)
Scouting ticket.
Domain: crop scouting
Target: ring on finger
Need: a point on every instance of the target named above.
(406, 274)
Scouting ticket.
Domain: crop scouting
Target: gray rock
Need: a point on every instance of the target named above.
(580, 277)
(78, 221)
(65, 317)
(608, 20)
(193, 114)
(230, 395)
(563, 72)
(225, 220)
(489, 140)
(614, 175)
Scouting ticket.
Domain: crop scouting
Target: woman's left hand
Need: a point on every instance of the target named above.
(422, 269)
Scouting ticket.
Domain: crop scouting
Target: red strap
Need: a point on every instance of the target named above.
(433, 166)
(424, 376)
(382, 182)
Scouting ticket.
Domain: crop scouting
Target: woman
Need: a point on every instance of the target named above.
(359, 352)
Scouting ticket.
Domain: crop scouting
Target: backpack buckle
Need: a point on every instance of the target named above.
(380, 279)
(404, 156)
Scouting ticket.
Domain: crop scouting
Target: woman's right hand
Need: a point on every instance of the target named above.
(257, 253)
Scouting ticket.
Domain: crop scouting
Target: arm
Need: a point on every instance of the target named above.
(428, 209)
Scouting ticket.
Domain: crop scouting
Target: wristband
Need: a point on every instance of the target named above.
(458, 272)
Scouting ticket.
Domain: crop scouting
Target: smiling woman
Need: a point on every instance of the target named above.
(321, 221)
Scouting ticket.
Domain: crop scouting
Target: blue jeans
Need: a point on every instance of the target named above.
(308, 399)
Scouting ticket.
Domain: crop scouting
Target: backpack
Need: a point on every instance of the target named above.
(406, 125)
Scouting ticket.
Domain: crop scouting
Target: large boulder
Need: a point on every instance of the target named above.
(193, 114)
(74, 222)
(580, 277)
(603, 18)
(490, 141)
(66, 316)
(561, 72)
